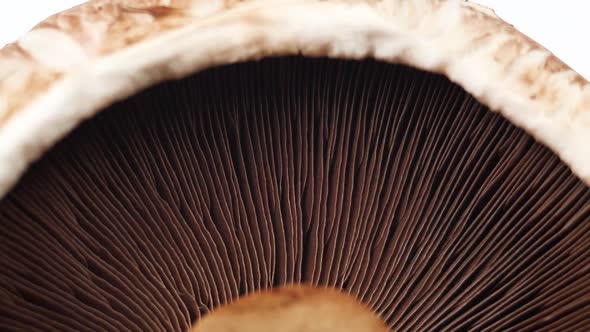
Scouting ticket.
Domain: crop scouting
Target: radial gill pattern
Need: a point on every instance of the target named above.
(390, 183)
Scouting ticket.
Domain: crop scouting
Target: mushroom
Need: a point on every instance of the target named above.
(164, 164)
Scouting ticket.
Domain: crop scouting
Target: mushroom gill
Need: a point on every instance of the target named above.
(391, 184)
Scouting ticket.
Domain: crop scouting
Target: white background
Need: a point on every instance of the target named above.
(562, 26)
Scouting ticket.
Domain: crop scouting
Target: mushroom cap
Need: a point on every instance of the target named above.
(74, 64)
(472, 238)
(388, 182)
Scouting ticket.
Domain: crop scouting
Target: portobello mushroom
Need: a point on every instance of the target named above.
(419, 165)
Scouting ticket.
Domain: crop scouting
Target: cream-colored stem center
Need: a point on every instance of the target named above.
(290, 309)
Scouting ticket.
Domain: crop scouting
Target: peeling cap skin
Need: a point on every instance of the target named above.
(297, 308)
(77, 62)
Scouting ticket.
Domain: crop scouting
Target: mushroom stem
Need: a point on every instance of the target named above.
(293, 308)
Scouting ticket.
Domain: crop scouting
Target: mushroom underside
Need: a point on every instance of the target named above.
(392, 184)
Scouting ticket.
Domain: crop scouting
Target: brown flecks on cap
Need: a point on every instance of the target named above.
(511, 49)
(36, 80)
(554, 65)
(14, 51)
(149, 4)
